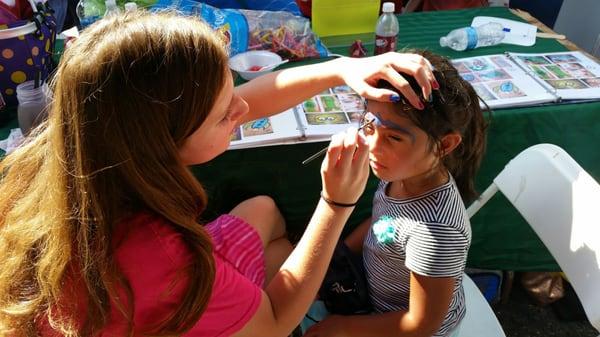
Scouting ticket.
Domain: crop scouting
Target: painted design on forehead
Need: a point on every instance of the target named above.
(378, 121)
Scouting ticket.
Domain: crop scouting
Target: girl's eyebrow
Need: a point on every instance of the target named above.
(393, 126)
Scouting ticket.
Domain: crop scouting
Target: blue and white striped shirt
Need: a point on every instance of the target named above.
(429, 235)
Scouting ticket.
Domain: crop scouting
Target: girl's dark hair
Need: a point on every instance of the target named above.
(455, 108)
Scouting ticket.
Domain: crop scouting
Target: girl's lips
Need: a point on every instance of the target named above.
(376, 165)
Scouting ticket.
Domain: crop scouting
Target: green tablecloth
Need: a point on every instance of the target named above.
(501, 238)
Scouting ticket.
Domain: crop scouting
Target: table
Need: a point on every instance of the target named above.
(501, 238)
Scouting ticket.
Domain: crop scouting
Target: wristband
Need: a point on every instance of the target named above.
(335, 203)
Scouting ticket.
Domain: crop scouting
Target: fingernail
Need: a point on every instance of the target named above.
(430, 98)
(395, 98)
(435, 85)
(421, 106)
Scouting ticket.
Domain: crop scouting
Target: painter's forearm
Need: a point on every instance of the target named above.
(281, 90)
(296, 284)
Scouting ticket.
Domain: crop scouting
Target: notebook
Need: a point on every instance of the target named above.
(314, 120)
(517, 79)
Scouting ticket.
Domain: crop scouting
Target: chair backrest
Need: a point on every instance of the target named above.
(561, 202)
(578, 20)
(479, 320)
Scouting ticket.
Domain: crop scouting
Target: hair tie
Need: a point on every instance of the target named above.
(335, 203)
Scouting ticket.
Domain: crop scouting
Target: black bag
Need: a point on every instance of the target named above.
(344, 290)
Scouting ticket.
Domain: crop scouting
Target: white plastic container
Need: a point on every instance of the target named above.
(244, 63)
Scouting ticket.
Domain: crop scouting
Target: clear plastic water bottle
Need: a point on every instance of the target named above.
(88, 12)
(111, 8)
(474, 37)
(386, 30)
(130, 6)
(33, 105)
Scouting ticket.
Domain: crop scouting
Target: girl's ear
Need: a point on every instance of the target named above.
(450, 142)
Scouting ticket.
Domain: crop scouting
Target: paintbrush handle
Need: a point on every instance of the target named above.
(551, 36)
(315, 156)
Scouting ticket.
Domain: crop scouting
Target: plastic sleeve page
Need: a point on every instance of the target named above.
(571, 74)
(278, 129)
(501, 83)
(330, 112)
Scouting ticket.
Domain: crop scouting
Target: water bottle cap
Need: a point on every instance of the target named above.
(443, 41)
(388, 7)
(130, 6)
(110, 2)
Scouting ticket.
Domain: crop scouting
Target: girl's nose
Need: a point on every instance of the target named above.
(374, 141)
(244, 107)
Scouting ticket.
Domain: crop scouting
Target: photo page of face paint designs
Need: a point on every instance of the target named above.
(511, 79)
(316, 119)
(570, 75)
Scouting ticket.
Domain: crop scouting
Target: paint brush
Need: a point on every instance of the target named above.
(323, 150)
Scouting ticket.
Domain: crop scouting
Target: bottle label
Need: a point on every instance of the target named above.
(471, 38)
(383, 44)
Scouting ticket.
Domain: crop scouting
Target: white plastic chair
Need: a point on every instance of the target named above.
(479, 320)
(578, 20)
(561, 202)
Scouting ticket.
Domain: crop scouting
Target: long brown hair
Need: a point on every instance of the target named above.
(127, 94)
(455, 108)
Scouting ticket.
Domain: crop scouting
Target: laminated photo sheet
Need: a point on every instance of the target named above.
(501, 83)
(316, 119)
(570, 75)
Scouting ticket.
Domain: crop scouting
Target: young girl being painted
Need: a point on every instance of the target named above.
(101, 229)
(415, 244)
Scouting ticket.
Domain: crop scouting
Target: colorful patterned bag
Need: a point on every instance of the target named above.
(26, 49)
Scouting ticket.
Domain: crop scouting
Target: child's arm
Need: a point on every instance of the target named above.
(429, 302)
(356, 239)
(278, 91)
